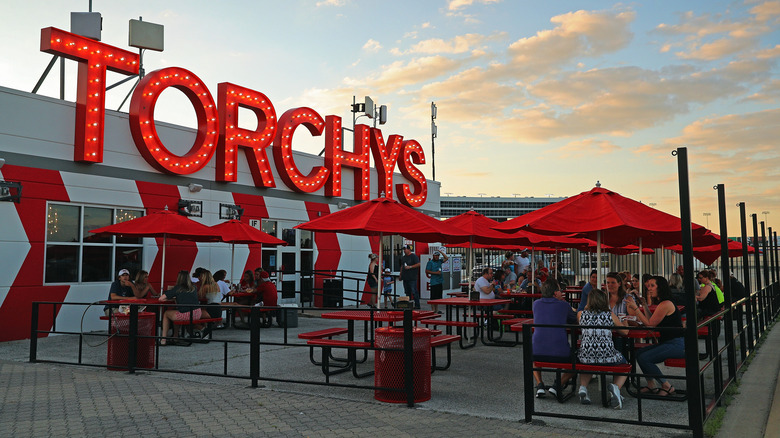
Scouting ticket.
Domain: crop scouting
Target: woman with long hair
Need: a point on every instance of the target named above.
(616, 293)
(186, 298)
(247, 283)
(145, 288)
(671, 344)
(372, 278)
(210, 293)
(596, 346)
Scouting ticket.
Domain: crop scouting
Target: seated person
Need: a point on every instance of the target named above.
(145, 288)
(121, 289)
(267, 291)
(224, 288)
(484, 285)
(671, 344)
(596, 346)
(186, 298)
(510, 278)
(209, 293)
(551, 344)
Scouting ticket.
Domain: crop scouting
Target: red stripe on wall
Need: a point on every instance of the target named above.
(254, 208)
(39, 185)
(179, 254)
(328, 250)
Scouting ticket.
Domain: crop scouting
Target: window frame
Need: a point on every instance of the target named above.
(112, 245)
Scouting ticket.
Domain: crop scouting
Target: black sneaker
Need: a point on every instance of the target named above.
(540, 390)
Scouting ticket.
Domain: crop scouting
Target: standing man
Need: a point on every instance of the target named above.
(592, 284)
(433, 271)
(523, 262)
(410, 273)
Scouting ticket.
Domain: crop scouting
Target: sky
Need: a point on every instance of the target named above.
(533, 98)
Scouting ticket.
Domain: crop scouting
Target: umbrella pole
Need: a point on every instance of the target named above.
(381, 280)
(471, 260)
(162, 274)
(663, 265)
(533, 270)
(598, 258)
(640, 259)
(232, 260)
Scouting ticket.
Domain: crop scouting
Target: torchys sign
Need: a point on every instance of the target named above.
(218, 129)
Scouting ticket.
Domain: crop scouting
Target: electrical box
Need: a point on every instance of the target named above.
(145, 35)
(86, 24)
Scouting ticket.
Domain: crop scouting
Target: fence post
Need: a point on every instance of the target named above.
(772, 264)
(746, 278)
(34, 332)
(692, 381)
(408, 358)
(528, 372)
(725, 267)
(254, 345)
(758, 316)
(132, 342)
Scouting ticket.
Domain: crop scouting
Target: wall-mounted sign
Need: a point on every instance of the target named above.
(218, 130)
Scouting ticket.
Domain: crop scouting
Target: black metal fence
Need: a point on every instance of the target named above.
(131, 339)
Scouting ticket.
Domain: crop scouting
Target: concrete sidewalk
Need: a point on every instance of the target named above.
(66, 401)
(755, 411)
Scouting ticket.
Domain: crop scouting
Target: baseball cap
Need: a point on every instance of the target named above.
(123, 272)
(436, 253)
(387, 270)
(409, 247)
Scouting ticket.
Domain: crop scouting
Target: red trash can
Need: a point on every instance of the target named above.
(389, 365)
(119, 345)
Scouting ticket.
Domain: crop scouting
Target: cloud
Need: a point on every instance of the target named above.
(576, 34)
(455, 45)
(738, 150)
(586, 147)
(372, 46)
(336, 3)
(709, 37)
(454, 5)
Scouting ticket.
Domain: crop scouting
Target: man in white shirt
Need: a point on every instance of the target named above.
(484, 285)
(523, 262)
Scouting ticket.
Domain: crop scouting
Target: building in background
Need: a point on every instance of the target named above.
(494, 207)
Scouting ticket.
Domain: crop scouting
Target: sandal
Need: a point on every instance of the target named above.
(666, 392)
(649, 390)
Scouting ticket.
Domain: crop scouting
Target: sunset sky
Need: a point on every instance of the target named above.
(534, 98)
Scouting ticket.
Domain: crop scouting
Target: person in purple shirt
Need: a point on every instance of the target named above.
(594, 278)
(550, 344)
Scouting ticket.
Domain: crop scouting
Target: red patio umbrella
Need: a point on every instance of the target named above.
(234, 231)
(606, 217)
(381, 216)
(161, 224)
(708, 254)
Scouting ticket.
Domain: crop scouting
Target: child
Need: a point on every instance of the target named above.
(387, 286)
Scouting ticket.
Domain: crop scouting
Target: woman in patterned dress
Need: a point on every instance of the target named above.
(596, 346)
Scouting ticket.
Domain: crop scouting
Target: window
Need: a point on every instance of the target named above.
(74, 255)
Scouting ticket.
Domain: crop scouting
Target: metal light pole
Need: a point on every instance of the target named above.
(765, 213)
(707, 215)
(433, 137)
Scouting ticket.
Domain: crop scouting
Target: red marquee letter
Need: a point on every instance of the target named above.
(412, 153)
(283, 155)
(231, 137)
(385, 157)
(336, 158)
(93, 58)
(142, 121)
